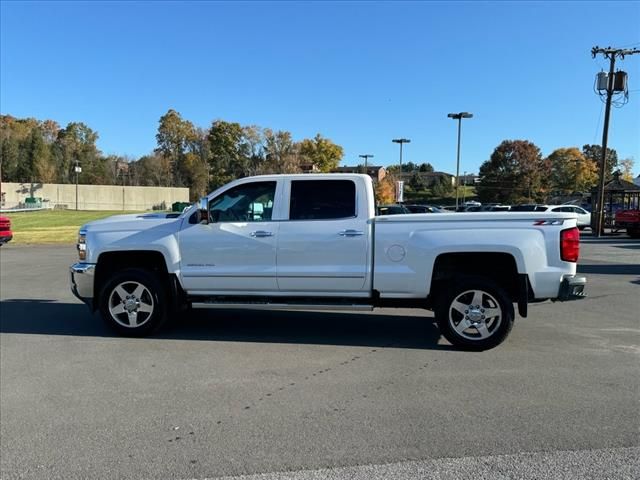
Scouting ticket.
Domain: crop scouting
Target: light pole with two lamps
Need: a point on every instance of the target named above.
(366, 157)
(459, 117)
(401, 141)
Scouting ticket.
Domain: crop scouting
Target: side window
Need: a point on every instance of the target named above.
(251, 202)
(322, 199)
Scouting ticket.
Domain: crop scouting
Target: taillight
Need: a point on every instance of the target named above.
(570, 244)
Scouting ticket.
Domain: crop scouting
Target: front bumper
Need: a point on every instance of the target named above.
(82, 277)
(572, 288)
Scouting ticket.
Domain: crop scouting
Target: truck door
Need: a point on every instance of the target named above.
(236, 252)
(323, 244)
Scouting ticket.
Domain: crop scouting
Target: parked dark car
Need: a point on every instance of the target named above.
(469, 208)
(423, 209)
(392, 210)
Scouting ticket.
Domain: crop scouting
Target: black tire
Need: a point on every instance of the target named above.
(143, 310)
(482, 331)
(582, 228)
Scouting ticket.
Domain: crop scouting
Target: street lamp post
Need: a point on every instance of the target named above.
(401, 141)
(366, 157)
(459, 117)
(77, 169)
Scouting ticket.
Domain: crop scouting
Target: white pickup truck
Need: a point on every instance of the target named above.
(314, 242)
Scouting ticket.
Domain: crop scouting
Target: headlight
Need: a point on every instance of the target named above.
(82, 244)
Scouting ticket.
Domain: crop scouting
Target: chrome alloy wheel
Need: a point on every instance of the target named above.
(475, 315)
(131, 304)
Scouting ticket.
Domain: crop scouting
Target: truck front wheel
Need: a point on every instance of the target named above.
(474, 313)
(133, 302)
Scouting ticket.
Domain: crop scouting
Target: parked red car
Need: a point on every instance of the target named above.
(5, 230)
(629, 219)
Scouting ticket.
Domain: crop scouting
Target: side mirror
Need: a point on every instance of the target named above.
(203, 211)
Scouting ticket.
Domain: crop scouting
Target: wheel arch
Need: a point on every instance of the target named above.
(500, 267)
(111, 262)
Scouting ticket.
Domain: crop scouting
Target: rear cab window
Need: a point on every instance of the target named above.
(322, 200)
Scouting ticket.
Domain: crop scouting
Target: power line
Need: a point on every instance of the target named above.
(628, 45)
(595, 134)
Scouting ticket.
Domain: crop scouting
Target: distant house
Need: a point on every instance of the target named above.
(469, 179)
(376, 173)
(309, 168)
(637, 180)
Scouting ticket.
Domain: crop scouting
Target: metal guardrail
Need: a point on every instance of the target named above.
(22, 209)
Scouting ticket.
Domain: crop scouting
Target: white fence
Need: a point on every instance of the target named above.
(89, 197)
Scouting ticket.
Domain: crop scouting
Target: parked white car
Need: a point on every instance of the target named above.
(314, 242)
(584, 217)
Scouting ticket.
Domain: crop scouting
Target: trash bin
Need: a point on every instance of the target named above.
(33, 202)
(179, 206)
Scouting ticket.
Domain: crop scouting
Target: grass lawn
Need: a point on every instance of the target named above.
(52, 226)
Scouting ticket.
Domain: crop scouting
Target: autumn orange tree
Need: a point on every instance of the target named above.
(321, 152)
(386, 190)
(571, 171)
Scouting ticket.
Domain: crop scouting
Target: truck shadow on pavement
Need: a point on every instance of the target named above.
(610, 269)
(47, 317)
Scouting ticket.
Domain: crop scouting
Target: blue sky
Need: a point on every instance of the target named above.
(360, 73)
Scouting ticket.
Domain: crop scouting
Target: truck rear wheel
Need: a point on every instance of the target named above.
(474, 313)
(133, 302)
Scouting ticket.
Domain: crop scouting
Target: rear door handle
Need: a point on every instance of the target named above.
(351, 233)
(261, 233)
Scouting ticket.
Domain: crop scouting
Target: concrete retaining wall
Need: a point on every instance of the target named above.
(93, 197)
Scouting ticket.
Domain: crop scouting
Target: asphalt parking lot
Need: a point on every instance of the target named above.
(318, 395)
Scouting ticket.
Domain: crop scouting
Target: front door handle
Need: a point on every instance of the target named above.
(351, 233)
(261, 234)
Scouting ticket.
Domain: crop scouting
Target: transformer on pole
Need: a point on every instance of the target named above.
(611, 83)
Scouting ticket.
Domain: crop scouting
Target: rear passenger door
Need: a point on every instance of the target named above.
(323, 244)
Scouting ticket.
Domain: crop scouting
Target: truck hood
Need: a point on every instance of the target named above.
(133, 222)
(147, 231)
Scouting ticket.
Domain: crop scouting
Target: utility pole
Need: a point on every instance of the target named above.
(611, 54)
(464, 187)
(401, 141)
(459, 117)
(366, 157)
